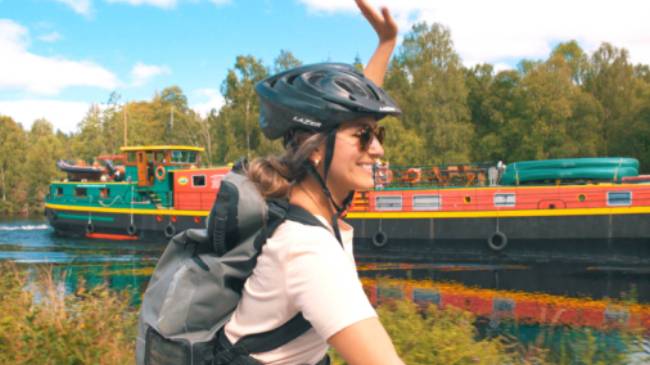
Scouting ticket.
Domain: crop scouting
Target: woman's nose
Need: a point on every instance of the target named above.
(376, 150)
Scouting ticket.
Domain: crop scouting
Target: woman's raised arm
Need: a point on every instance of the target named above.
(386, 29)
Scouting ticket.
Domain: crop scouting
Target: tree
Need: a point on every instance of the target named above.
(610, 79)
(43, 151)
(90, 141)
(285, 61)
(428, 78)
(12, 157)
(574, 57)
(237, 120)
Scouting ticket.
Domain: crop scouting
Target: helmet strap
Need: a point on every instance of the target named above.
(322, 181)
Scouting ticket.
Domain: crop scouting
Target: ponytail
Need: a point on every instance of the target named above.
(274, 176)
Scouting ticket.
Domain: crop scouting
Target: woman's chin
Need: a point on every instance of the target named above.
(365, 184)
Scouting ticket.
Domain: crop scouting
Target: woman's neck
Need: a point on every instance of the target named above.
(309, 195)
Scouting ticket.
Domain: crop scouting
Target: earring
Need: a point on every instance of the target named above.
(316, 162)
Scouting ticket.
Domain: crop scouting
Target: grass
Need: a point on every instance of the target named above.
(41, 324)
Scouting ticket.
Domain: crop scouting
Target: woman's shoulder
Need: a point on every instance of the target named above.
(292, 237)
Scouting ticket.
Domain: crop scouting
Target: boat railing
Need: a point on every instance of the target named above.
(439, 176)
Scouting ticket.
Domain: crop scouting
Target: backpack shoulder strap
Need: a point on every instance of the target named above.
(298, 325)
(301, 215)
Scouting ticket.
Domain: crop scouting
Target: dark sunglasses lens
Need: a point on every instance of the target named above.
(367, 133)
(365, 137)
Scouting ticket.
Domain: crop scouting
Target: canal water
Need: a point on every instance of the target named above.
(545, 304)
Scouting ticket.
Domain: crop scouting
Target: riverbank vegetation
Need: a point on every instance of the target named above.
(569, 105)
(42, 324)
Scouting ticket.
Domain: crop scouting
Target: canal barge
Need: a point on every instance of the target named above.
(160, 192)
(592, 210)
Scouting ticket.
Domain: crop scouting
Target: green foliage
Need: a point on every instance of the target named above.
(438, 337)
(95, 326)
(13, 194)
(427, 80)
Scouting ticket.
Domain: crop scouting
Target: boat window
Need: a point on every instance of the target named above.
(183, 156)
(104, 193)
(191, 158)
(177, 156)
(619, 198)
(505, 200)
(80, 192)
(388, 202)
(198, 180)
(59, 191)
(426, 202)
(130, 157)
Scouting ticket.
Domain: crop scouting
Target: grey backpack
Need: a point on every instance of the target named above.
(197, 282)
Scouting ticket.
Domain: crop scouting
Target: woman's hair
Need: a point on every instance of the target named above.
(274, 175)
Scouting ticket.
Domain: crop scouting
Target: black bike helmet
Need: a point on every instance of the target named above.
(319, 97)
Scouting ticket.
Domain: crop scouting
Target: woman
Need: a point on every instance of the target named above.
(327, 115)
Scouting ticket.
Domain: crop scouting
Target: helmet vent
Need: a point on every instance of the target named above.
(291, 79)
(344, 86)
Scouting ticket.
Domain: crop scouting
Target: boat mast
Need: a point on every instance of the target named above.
(126, 124)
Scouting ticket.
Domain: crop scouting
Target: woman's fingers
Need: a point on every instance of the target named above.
(383, 22)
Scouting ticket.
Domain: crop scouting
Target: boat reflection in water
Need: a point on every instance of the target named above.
(597, 297)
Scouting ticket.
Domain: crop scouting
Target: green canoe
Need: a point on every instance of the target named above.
(606, 168)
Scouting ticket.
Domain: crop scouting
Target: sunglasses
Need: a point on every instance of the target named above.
(367, 133)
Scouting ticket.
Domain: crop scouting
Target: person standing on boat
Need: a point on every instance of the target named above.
(327, 115)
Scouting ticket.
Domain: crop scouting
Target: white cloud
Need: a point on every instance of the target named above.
(25, 71)
(64, 115)
(491, 31)
(211, 99)
(82, 7)
(164, 4)
(50, 37)
(142, 73)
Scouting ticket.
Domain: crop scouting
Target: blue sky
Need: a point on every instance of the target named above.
(57, 57)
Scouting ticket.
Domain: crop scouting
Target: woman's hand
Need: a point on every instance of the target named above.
(383, 23)
(386, 29)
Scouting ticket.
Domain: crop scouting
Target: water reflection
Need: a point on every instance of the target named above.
(521, 301)
(567, 280)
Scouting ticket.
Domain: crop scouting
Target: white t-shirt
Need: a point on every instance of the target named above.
(301, 268)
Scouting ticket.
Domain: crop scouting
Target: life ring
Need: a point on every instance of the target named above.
(498, 241)
(160, 173)
(131, 229)
(412, 176)
(380, 239)
(90, 228)
(170, 230)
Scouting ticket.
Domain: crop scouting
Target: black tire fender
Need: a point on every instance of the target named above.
(170, 230)
(498, 241)
(90, 228)
(380, 239)
(132, 230)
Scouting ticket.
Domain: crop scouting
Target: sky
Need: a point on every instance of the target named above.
(59, 57)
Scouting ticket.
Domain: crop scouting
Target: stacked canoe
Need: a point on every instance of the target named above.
(612, 169)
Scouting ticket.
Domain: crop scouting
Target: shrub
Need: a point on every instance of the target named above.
(41, 324)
